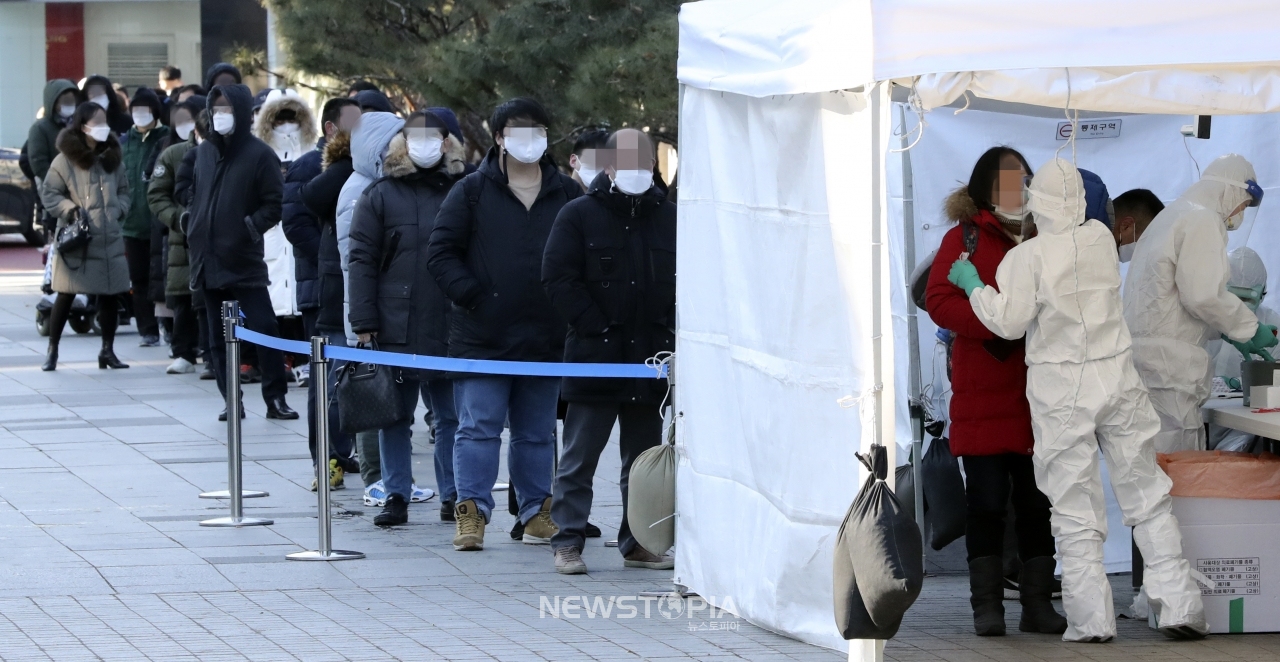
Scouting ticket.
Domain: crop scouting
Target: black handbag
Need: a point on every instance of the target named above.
(369, 397)
(74, 236)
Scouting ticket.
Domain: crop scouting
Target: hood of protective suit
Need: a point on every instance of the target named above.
(1057, 197)
(369, 142)
(1216, 195)
(1247, 269)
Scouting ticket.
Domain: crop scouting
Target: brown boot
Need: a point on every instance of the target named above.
(538, 531)
(643, 558)
(470, 527)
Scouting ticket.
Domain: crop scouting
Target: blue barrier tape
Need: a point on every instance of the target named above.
(443, 364)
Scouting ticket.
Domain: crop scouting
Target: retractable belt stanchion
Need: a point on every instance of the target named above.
(230, 320)
(320, 377)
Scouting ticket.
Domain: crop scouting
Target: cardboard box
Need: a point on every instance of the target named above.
(1236, 544)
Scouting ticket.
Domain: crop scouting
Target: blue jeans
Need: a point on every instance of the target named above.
(484, 404)
(438, 395)
(395, 444)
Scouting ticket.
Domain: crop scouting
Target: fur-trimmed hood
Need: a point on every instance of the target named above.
(72, 145)
(398, 164)
(277, 102)
(959, 207)
(336, 149)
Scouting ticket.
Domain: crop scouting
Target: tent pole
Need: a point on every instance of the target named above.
(913, 328)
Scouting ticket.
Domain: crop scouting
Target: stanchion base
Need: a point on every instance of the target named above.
(226, 494)
(237, 521)
(316, 555)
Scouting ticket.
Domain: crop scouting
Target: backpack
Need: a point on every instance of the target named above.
(920, 276)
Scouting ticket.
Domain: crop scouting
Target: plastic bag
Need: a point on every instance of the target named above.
(651, 496)
(904, 487)
(878, 565)
(943, 494)
(1222, 474)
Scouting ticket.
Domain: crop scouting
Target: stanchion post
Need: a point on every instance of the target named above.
(324, 516)
(234, 491)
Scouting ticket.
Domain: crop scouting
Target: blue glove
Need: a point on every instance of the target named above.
(965, 276)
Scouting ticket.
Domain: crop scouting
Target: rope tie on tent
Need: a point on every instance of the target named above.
(917, 106)
(965, 107)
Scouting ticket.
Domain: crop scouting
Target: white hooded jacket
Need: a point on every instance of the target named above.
(1060, 288)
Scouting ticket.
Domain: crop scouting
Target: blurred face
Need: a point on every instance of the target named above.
(1006, 191)
(224, 78)
(95, 91)
(180, 116)
(349, 118)
(67, 99)
(96, 129)
(635, 152)
(183, 96)
(521, 129)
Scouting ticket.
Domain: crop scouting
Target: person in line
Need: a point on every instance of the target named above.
(167, 209)
(374, 101)
(236, 199)
(369, 142)
(86, 180)
(620, 302)
(1248, 282)
(99, 90)
(360, 86)
(61, 97)
(585, 160)
(990, 417)
(1176, 298)
(143, 141)
(486, 255)
(170, 79)
(1062, 291)
(310, 239)
(186, 92)
(1135, 209)
(221, 73)
(390, 229)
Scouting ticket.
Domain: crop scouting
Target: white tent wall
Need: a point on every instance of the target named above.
(776, 325)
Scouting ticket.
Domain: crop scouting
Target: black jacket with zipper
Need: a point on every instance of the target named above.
(486, 255)
(610, 269)
(236, 199)
(320, 195)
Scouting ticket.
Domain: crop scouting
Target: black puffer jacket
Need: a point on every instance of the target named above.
(320, 195)
(486, 254)
(392, 292)
(301, 227)
(610, 269)
(238, 189)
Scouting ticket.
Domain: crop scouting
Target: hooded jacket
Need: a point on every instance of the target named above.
(289, 147)
(486, 254)
(165, 206)
(990, 414)
(236, 199)
(216, 70)
(368, 148)
(610, 270)
(42, 139)
(320, 196)
(117, 117)
(392, 292)
(93, 181)
(139, 150)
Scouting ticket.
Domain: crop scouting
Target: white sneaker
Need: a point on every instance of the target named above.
(180, 366)
(302, 374)
(421, 494)
(375, 494)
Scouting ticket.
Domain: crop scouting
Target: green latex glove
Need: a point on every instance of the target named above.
(1232, 382)
(965, 276)
(1243, 347)
(1264, 338)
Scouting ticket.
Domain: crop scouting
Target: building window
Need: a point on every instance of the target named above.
(136, 64)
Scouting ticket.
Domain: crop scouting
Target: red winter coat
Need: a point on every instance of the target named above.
(989, 410)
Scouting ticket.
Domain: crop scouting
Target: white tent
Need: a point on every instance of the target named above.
(792, 255)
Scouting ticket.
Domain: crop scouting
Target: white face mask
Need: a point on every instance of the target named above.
(587, 175)
(287, 129)
(224, 123)
(65, 112)
(525, 145)
(142, 117)
(1012, 215)
(1126, 252)
(101, 100)
(184, 130)
(98, 133)
(425, 151)
(633, 182)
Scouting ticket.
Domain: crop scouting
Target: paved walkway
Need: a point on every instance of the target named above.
(101, 556)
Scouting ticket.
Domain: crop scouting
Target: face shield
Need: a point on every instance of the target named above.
(1251, 296)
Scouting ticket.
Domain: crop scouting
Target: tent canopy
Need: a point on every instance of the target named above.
(1142, 56)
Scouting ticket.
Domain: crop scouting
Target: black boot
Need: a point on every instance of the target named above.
(107, 358)
(986, 593)
(51, 359)
(395, 512)
(278, 408)
(1036, 591)
(446, 512)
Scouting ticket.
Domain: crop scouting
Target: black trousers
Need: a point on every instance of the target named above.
(185, 341)
(108, 316)
(137, 253)
(339, 442)
(259, 316)
(587, 427)
(990, 481)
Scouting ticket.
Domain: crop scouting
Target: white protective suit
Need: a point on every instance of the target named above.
(1176, 300)
(1062, 289)
(1248, 272)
